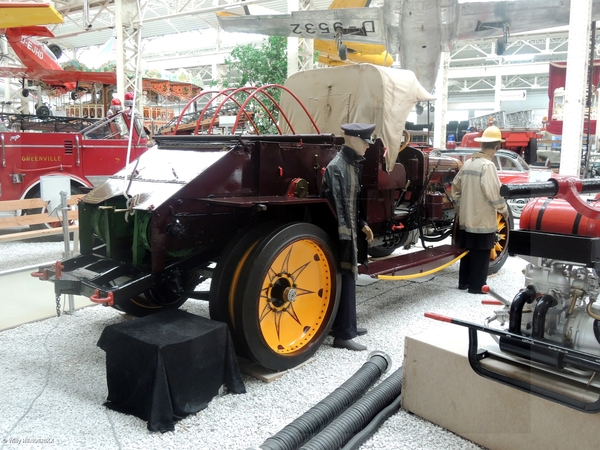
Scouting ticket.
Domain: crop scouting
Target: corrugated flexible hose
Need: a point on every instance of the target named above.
(360, 421)
(309, 424)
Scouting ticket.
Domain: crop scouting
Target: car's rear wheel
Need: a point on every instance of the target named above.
(286, 296)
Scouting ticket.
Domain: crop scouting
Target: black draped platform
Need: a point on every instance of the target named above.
(165, 366)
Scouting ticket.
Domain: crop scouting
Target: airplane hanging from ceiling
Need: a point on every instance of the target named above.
(41, 62)
(415, 31)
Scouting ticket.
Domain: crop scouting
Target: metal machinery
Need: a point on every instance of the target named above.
(245, 211)
(553, 324)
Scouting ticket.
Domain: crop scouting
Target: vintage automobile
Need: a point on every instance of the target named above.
(245, 211)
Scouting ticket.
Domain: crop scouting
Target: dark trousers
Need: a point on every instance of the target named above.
(473, 268)
(344, 324)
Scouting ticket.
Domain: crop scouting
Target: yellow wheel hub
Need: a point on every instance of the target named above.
(295, 296)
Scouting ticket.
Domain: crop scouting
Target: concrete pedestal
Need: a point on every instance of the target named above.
(440, 386)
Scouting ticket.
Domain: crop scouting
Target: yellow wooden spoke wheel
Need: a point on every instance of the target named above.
(499, 252)
(286, 296)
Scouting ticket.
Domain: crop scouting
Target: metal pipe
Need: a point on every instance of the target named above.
(293, 138)
(548, 188)
(488, 290)
(303, 428)
(539, 315)
(527, 295)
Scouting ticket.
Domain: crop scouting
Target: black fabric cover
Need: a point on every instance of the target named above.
(165, 366)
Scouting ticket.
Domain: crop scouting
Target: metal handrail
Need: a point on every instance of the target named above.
(3, 150)
(77, 145)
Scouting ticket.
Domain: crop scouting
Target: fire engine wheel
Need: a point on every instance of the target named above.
(138, 306)
(160, 297)
(227, 271)
(287, 296)
(380, 251)
(499, 253)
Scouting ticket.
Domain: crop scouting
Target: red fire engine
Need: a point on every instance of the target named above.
(517, 131)
(86, 151)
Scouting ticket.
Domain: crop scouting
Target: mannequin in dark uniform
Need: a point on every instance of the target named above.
(341, 185)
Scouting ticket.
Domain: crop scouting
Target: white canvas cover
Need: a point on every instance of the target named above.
(362, 93)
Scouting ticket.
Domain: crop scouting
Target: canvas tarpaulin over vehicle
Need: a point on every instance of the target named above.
(359, 93)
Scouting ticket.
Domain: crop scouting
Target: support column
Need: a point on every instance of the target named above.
(497, 91)
(299, 50)
(6, 81)
(575, 88)
(128, 41)
(441, 102)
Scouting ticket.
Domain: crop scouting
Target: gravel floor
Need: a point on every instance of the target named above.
(53, 375)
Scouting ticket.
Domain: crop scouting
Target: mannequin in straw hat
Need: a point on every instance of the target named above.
(476, 192)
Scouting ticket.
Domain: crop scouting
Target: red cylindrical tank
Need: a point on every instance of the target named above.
(558, 216)
(433, 204)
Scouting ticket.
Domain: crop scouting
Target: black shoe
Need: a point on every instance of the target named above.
(359, 331)
(463, 287)
(476, 291)
(348, 344)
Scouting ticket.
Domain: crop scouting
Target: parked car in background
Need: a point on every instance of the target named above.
(511, 168)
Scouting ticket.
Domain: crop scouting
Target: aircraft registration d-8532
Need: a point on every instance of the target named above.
(325, 29)
(415, 31)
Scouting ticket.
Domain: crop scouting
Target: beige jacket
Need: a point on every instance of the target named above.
(476, 192)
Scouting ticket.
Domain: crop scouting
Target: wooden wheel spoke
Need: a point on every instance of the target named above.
(293, 314)
(300, 291)
(272, 274)
(285, 265)
(265, 312)
(277, 321)
(296, 273)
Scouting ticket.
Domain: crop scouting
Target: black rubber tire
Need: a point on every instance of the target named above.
(25, 92)
(343, 52)
(226, 272)
(248, 295)
(159, 298)
(531, 151)
(56, 50)
(140, 306)
(380, 251)
(42, 112)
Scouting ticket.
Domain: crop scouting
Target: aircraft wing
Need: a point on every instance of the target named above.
(58, 77)
(17, 14)
(13, 72)
(364, 25)
(479, 20)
